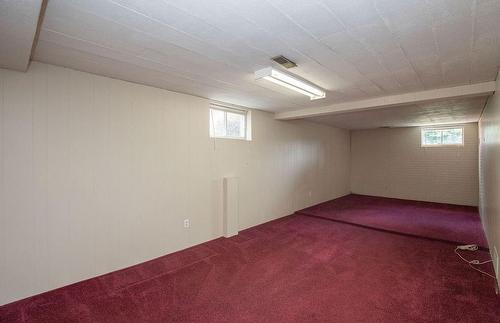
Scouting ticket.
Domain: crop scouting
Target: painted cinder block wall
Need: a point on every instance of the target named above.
(392, 163)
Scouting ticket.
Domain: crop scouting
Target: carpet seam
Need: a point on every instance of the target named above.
(384, 230)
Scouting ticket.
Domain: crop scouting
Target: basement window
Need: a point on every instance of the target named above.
(229, 122)
(445, 136)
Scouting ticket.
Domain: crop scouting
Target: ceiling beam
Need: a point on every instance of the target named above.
(19, 23)
(463, 91)
(41, 16)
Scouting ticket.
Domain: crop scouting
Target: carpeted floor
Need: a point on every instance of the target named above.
(295, 269)
(445, 222)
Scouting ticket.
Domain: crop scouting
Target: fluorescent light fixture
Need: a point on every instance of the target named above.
(290, 82)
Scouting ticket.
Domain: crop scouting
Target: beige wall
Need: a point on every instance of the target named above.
(98, 174)
(489, 175)
(391, 163)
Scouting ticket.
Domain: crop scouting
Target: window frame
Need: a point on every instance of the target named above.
(229, 109)
(424, 129)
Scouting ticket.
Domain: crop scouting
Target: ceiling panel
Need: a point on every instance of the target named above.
(439, 112)
(355, 49)
(18, 24)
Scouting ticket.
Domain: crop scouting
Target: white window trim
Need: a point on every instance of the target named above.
(233, 109)
(441, 128)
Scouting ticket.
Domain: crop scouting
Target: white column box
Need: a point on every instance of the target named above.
(231, 206)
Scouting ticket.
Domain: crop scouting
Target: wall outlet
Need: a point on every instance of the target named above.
(187, 223)
(310, 193)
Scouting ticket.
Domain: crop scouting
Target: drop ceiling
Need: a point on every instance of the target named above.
(354, 49)
(424, 114)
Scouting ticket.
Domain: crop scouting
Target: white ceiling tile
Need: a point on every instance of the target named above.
(340, 39)
(370, 66)
(401, 7)
(55, 54)
(377, 37)
(323, 55)
(486, 28)
(169, 72)
(351, 93)
(352, 49)
(486, 41)
(482, 74)
(442, 10)
(425, 114)
(488, 56)
(349, 48)
(404, 14)
(417, 51)
(431, 80)
(134, 41)
(408, 79)
(418, 42)
(266, 16)
(428, 63)
(485, 64)
(454, 37)
(112, 13)
(354, 13)
(193, 26)
(61, 40)
(309, 15)
(429, 72)
(369, 88)
(487, 7)
(230, 19)
(457, 70)
(394, 60)
(388, 84)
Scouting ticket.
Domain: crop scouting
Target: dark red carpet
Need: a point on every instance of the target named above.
(296, 269)
(453, 223)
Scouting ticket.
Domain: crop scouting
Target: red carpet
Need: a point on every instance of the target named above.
(296, 269)
(445, 222)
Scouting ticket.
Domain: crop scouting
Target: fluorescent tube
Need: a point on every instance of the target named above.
(290, 82)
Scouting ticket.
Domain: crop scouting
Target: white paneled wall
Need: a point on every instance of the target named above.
(98, 174)
(489, 183)
(391, 163)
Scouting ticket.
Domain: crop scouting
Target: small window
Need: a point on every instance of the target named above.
(228, 122)
(434, 137)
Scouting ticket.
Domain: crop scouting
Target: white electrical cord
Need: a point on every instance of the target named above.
(473, 247)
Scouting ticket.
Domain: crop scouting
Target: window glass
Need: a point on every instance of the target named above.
(442, 136)
(218, 122)
(432, 137)
(235, 125)
(228, 123)
(452, 137)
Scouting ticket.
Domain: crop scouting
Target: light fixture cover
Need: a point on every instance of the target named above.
(290, 82)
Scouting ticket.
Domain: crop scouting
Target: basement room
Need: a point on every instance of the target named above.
(249, 161)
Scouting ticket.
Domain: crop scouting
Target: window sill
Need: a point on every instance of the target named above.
(231, 138)
(441, 146)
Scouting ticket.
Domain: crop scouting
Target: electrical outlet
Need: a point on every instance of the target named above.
(187, 223)
(310, 193)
